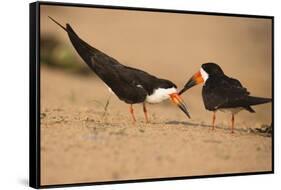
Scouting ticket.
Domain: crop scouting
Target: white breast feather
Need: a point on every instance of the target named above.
(160, 94)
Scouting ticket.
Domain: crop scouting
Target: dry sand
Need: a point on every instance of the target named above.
(79, 144)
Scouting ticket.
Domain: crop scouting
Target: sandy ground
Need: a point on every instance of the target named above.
(81, 144)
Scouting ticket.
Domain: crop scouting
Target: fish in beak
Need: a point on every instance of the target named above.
(194, 80)
(175, 98)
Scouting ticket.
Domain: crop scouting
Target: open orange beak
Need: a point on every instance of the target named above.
(179, 102)
(194, 80)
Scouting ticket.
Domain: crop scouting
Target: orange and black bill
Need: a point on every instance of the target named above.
(179, 102)
(194, 80)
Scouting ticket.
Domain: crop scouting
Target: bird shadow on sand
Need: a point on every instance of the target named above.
(265, 130)
(186, 124)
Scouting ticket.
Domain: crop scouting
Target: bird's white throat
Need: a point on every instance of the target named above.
(204, 74)
(160, 94)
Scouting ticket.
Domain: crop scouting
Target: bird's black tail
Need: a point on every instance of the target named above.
(251, 100)
(84, 49)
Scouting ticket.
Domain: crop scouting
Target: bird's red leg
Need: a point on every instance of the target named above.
(232, 123)
(145, 112)
(132, 113)
(213, 121)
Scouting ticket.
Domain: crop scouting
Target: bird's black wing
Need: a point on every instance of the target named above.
(124, 84)
(105, 65)
(223, 92)
(143, 79)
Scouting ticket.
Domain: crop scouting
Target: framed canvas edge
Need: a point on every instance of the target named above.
(34, 96)
(146, 9)
(34, 93)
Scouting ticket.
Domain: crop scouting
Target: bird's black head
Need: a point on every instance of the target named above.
(212, 69)
(206, 70)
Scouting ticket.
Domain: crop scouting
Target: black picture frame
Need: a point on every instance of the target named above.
(34, 97)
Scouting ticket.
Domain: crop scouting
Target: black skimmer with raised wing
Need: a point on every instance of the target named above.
(223, 93)
(130, 85)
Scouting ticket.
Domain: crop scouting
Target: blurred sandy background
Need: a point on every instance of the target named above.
(79, 144)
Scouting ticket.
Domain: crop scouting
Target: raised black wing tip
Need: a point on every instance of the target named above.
(68, 26)
(60, 25)
(70, 30)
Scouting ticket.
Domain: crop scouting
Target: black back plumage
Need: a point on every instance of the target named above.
(221, 91)
(129, 84)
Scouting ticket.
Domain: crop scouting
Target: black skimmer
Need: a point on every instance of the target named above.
(223, 93)
(130, 85)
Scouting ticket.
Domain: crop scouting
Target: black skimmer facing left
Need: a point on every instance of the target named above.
(128, 84)
(223, 93)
